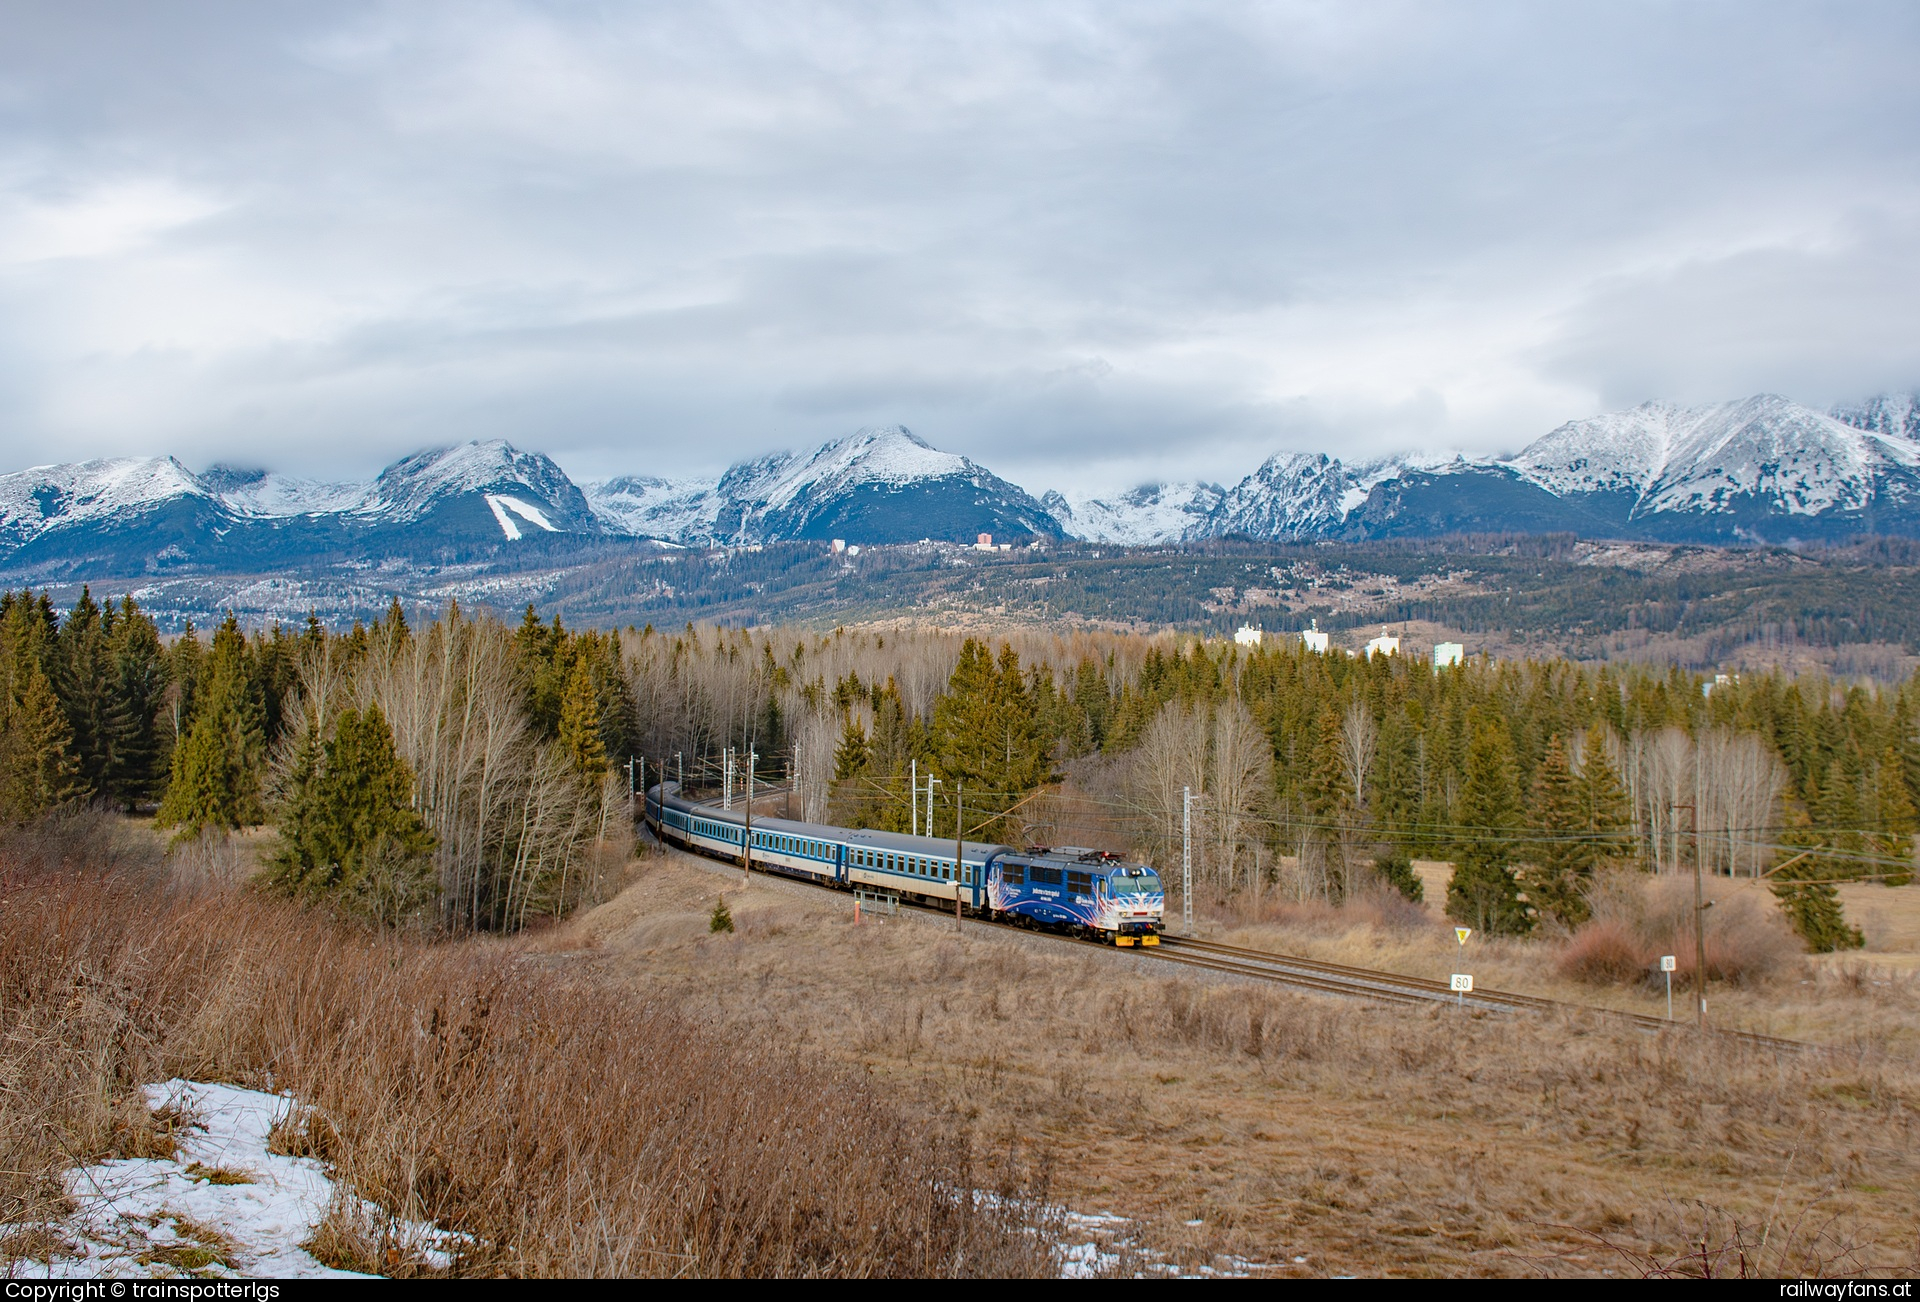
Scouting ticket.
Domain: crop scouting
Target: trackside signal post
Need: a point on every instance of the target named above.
(746, 837)
(1187, 802)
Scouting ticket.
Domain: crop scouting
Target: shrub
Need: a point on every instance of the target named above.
(1637, 918)
(721, 918)
(1604, 952)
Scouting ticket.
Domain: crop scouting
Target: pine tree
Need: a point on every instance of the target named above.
(186, 660)
(850, 758)
(1483, 891)
(721, 919)
(1330, 801)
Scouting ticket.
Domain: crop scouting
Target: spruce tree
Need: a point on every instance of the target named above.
(1395, 868)
(139, 690)
(36, 769)
(1893, 817)
(580, 724)
(1562, 857)
(1483, 891)
(348, 830)
(217, 772)
(83, 679)
(1606, 815)
(1813, 907)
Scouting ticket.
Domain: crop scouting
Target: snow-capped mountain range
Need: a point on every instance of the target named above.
(1758, 468)
(1761, 468)
(880, 484)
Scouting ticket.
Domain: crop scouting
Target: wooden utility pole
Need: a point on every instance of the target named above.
(1699, 917)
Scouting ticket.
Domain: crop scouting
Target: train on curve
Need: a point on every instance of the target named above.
(1084, 892)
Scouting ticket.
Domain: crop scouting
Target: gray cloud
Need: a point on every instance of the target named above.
(1093, 240)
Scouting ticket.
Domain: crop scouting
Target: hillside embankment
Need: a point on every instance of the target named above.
(1239, 1126)
(549, 1125)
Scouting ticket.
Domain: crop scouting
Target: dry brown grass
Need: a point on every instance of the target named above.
(1760, 980)
(1368, 1140)
(566, 1127)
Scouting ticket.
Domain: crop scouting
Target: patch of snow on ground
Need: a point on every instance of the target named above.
(1096, 1245)
(132, 1215)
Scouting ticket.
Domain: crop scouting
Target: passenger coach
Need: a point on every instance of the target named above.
(1083, 891)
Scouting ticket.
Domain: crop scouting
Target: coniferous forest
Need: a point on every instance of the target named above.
(468, 774)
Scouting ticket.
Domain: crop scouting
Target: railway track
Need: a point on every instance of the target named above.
(1396, 988)
(1355, 982)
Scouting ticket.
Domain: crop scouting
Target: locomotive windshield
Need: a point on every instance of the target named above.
(1134, 881)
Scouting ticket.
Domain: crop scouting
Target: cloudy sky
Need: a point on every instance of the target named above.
(1082, 243)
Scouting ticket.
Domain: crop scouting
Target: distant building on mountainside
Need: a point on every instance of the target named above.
(1448, 653)
(1247, 635)
(1315, 640)
(1384, 645)
(984, 543)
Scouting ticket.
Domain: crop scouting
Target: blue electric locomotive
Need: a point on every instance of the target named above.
(1088, 892)
(1077, 889)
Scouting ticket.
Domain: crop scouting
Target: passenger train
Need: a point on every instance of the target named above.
(1085, 892)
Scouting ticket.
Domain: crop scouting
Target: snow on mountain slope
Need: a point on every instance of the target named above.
(890, 454)
(504, 508)
(1705, 459)
(1894, 414)
(411, 487)
(33, 501)
(280, 497)
(1292, 494)
(1795, 459)
(1145, 516)
(1620, 452)
(645, 506)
